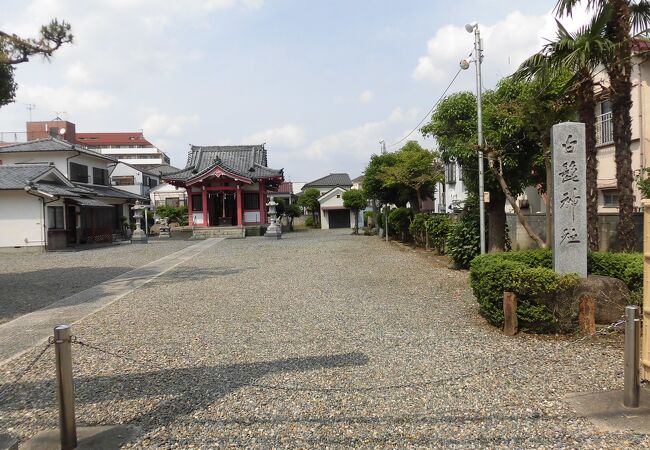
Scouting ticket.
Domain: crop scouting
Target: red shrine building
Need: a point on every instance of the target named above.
(227, 185)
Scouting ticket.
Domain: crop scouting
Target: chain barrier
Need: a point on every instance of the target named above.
(147, 364)
(10, 387)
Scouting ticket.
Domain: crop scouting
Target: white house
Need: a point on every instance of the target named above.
(332, 212)
(133, 179)
(89, 209)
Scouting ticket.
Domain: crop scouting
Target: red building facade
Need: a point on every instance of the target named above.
(227, 185)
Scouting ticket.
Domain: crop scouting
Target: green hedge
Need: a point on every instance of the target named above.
(529, 274)
(494, 273)
(627, 267)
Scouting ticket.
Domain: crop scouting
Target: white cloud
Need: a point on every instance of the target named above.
(72, 100)
(289, 135)
(78, 73)
(366, 96)
(158, 124)
(506, 44)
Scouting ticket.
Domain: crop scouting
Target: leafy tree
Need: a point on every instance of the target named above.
(292, 211)
(627, 17)
(579, 53)
(178, 214)
(309, 199)
(355, 200)
(515, 118)
(415, 172)
(16, 50)
(373, 182)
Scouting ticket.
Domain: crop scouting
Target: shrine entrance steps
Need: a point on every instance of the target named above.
(218, 232)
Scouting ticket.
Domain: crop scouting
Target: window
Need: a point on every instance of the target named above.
(78, 172)
(610, 198)
(251, 200)
(197, 203)
(451, 172)
(55, 217)
(172, 202)
(100, 176)
(124, 181)
(153, 182)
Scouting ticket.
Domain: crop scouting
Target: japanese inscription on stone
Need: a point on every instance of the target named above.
(569, 199)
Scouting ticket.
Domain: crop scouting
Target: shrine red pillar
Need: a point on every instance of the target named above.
(206, 216)
(189, 207)
(262, 203)
(239, 206)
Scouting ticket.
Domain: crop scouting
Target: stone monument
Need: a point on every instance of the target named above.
(138, 236)
(569, 198)
(274, 230)
(164, 231)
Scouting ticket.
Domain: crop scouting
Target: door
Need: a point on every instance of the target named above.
(339, 218)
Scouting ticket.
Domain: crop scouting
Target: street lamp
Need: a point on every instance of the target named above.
(464, 64)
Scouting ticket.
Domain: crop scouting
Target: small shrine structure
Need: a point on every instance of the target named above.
(227, 185)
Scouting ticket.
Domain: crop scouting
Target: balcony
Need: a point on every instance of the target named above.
(604, 129)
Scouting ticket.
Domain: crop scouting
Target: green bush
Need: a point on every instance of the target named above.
(438, 227)
(627, 267)
(463, 242)
(418, 229)
(176, 214)
(400, 219)
(494, 273)
(309, 221)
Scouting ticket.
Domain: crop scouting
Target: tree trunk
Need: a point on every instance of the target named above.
(587, 114)
(513, 203)
(375, 221)
(548, 201)
(496, 211)
(619, 71)
(414, 200)
(356, 221)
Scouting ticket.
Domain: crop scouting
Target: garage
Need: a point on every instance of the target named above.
(339, 218)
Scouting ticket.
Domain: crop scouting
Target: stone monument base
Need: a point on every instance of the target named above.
(139, 237)
(95, 438)
(273, 231)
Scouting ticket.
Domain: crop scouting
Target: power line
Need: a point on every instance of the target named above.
(431, 110)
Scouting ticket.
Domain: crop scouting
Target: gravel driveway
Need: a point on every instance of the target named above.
(30, 281)
(321, 339)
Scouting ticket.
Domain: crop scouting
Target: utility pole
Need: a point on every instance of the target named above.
(478, 59)
(30, 107)
(383, 152)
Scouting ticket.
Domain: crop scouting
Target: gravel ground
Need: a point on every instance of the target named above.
(323, 340)
(31, 281)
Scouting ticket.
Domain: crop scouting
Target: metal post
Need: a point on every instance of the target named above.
(478, 53)
(631, 390)
(146, 222)
(65, 393)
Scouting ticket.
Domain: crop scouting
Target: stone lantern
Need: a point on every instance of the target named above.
(138, 236)
(274, 230)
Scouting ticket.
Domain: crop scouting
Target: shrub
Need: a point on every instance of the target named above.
(367, 218)
(400, 219)
(627, 267)
(494, 273)
(309, 221)
(418, 229)
(463, 242)
(177, 214)
(438, 227)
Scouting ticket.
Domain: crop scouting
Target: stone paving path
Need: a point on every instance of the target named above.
(321, 339)
(23, 333)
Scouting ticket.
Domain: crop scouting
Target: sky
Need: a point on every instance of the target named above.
(319, 81)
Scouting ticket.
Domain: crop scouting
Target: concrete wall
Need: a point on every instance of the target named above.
(22, 223)
(607, 224)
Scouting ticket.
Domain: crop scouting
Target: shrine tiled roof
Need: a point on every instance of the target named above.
(248, 161)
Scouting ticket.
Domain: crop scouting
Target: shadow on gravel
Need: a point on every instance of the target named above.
(186, 389)
(24, 292)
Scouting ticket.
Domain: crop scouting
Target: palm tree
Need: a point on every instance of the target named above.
(579, 53)
(627, 17)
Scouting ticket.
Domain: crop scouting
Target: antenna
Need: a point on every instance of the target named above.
(30, 107)
(59, 114)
